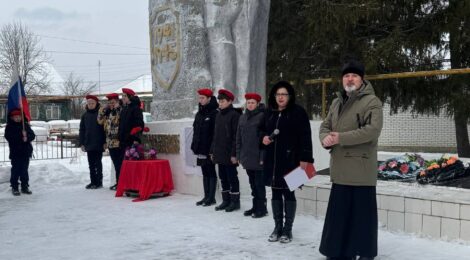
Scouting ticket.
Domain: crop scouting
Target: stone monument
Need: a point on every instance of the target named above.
(205, 43)
(178, 57)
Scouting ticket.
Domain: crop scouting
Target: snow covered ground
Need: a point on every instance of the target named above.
(62, 220)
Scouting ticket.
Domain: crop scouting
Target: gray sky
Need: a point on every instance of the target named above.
(63, 24)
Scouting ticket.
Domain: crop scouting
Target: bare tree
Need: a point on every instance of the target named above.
(75, 86)
(19, 46)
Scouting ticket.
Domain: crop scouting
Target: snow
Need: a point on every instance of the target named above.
(63, 220)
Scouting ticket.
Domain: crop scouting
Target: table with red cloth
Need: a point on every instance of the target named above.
(145, 176)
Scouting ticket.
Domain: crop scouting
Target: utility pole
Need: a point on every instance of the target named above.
(99, 76)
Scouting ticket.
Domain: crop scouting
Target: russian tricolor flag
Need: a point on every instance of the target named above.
(17, 99)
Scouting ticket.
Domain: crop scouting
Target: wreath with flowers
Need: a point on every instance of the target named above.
(441, 170)
(138, 152)
(401, 168)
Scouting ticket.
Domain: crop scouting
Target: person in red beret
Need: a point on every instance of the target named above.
(109, 117)
(249, 153)
(203, 133)
(93, 141)
(19, 135)
(131, 117)
(223, 151)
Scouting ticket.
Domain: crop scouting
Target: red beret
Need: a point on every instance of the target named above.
(254, 96)
(15, 112)
(128, 91)
(226, 93)
(205, 92)
(112, 96)
(92, 97)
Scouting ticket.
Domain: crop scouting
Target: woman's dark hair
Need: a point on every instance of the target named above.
(272, 94)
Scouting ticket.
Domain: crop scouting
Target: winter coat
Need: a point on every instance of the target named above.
(109, 118)
(358, 120)
(225, 133)
(92, 135)
(292, 145)
(13, 134)
(131, 116)
(203, 128)
(249, 139)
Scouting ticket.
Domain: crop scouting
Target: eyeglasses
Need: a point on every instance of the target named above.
(281, 94)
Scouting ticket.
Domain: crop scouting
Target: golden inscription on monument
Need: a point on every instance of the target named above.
(165, 41)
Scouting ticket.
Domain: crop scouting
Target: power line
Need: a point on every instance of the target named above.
(99, 53)
(104, 65)
(92, 42)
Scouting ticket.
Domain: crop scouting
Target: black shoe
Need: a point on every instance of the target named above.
(26, 191)
(201, 202)
(234, 202)
(260, 209)
(114, 187)
(15, 192)
(248, 212)
(89, 186)
(225, 201)
(209, 202)
(96, 186)
(365, 258)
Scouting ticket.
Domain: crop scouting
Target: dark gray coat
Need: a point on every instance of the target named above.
(249, 140)
(225, 133)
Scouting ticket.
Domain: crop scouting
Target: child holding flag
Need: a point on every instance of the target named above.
(19, 136)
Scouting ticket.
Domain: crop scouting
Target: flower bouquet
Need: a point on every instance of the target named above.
(151, 154)
(135, 152)
(402, 168)
(441, 170)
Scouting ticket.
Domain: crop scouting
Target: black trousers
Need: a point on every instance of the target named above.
(256, 179)
(208, 170)
(117, 156)
(96, 167)
(283, 194)
(19, 171)
(229, 178)
(351, 224)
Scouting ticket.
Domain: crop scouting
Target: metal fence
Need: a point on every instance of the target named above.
(58, 146)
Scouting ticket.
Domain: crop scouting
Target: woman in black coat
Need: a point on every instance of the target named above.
(203, 132)
(289, 149)
(131, 117)
(19, 141)
(92, 141)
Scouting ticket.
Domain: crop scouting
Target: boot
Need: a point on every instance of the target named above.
(234, 202)
(89, 186)
(260, 209)
(290, 208)
(365, 258)
(211, 195)
(250, 211)
(225, 200)
(15, 192)
(278, 216)
(205, 183)
(26, 190)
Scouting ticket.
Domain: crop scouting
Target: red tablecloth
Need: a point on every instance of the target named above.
(147, 176)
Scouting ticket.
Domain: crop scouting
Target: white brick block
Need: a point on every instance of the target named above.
(383, 218)
(445, 209)
(307, 192)
(450, 228)
(323, 194)
(321, 208)
(396, 221)
(393, 203)
(465, 230)
(465, 212)
(418, 206)
(432, 226)
(413, 223)
(310, 207)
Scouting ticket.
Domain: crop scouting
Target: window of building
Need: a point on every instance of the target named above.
(52, 112)
(34, 111)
